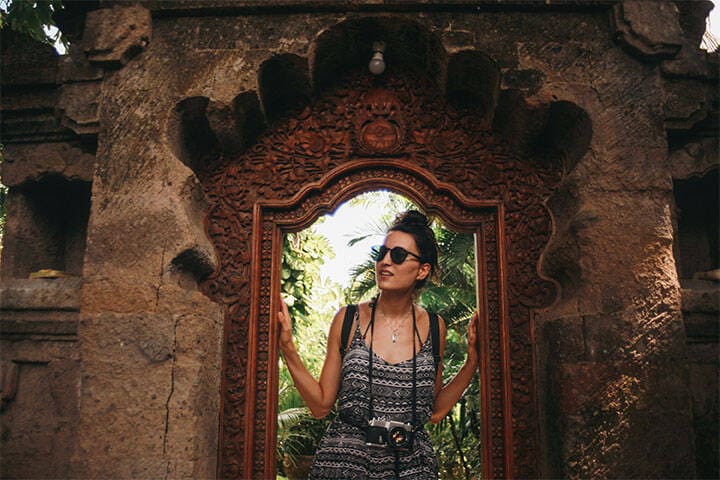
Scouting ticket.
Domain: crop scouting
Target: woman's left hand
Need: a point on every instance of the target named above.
(473, 352)
(286, 337)
(451, 392)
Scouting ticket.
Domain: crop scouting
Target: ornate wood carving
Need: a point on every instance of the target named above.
(395, 133)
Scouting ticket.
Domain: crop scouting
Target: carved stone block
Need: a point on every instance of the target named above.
(649, 28)
(687, 102)
(78, 107)
(41, 294)
(694, 158)
(114, 35)
(693, 63)
(75, 67)
(26, 61)
(25, 162)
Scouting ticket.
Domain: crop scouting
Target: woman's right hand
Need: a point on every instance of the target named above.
(286, 338)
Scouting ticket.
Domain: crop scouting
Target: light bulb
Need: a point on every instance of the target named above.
(377, 63)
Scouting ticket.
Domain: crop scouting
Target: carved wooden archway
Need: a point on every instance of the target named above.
(395, 133)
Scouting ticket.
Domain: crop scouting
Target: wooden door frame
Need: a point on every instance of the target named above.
(272, 219)
(398, 133)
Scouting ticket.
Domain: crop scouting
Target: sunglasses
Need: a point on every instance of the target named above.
(397, 254)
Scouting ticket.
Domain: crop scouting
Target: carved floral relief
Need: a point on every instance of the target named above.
(404, 130)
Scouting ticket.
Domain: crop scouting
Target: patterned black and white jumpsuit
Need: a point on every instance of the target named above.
(342, 453)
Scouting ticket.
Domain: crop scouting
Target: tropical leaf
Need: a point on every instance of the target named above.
(363, 282)
(33, 18)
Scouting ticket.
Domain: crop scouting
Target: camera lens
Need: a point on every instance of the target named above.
(398, 437)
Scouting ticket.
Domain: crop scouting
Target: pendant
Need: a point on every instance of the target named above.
(394, 337)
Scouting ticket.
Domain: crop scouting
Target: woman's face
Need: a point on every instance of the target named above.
(391, 276)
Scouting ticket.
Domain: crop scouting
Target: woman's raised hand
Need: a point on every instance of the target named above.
(286, 339)
(473, 354)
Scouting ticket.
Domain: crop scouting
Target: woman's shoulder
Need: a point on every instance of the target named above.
(423, 317)
(364, 306)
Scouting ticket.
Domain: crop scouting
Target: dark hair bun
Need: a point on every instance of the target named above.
(416, 224)
(412, 217)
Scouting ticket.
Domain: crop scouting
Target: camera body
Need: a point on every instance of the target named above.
(388, 433)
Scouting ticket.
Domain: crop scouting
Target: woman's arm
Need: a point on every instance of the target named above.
(319, 396)
(446, 396)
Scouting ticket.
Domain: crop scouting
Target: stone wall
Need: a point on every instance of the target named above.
(115, 370)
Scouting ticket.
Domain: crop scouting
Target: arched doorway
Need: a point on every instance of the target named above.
(273, 219)
(397, 133)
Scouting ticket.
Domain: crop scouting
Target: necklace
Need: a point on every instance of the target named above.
(395, 327)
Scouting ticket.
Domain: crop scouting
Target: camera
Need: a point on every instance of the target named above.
(388, 433)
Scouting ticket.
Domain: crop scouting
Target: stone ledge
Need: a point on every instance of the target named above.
(699, 296)
(224, 6)
(61, 294)
(15, 323)
(701, 311)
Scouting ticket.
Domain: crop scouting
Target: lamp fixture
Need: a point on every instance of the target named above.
(377, 62)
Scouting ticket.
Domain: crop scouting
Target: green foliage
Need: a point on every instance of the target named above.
(453, 296)
(311, 304)
(299, 432)
(457, 439)
(303, 255)
(32, 18)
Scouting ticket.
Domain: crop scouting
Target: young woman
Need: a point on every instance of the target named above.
(387, 384)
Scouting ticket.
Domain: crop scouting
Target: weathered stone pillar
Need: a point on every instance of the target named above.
(613, 358)
(150, 341)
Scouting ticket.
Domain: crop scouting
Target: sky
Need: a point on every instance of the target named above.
(713, 20)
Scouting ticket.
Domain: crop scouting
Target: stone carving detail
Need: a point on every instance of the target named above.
(78, 107)
(379, 123)
(396, 133)
(114, 35)
(651, 28)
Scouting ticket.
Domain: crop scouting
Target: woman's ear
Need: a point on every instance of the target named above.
(423, 272)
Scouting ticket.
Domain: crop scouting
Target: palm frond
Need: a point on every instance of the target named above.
(363, 281)
(292, 416)
(376, 228)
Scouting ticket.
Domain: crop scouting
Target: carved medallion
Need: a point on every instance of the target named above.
(379, 124)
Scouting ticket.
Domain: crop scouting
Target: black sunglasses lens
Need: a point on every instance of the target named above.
(378, 252)
(398, 255)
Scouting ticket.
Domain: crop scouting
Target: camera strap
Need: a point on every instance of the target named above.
(414, 381)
